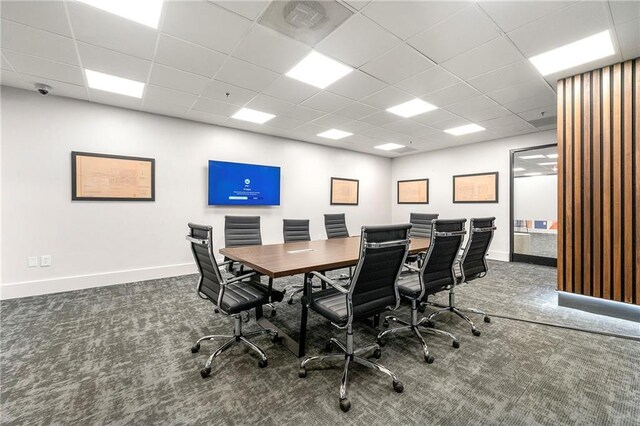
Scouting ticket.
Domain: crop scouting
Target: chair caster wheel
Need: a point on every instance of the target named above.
(263, 363)
(290, 302)
(429, 359)
(398, 386)
(345, 405)
(456, 344)
(276, 339)
(385, 324)
(302, 373)
(195, 348)
(377, 354)
(205, 372)
(380, 343)
(487, 319)
(476, 332)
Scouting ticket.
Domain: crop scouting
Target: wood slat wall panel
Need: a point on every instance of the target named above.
(599, 183)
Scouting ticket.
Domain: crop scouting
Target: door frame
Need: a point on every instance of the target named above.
(517, 257)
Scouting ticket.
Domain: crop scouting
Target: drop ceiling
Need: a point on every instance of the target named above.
(467, 58)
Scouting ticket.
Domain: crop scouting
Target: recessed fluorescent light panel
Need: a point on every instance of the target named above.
(532, 174)
(550, 163)
(111, 83)
(411, 108)
(334, 134)
(464, 130)
(248, 114)
(389, 146)
(145, 12)
(518, 169)
(573, 54)
(318, 70)
(532, 157)
(552, 155)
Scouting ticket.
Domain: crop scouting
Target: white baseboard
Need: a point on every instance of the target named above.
(498, 255)
(57, 285)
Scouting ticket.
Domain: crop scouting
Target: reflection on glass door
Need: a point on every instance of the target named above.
(534, 200)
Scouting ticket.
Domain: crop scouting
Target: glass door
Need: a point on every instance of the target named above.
(534, 201)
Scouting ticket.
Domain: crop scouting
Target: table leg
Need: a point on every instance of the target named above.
(302, 337)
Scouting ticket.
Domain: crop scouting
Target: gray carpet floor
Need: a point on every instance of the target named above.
(120, 355)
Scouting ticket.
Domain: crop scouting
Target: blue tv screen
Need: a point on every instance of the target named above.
(238, 184)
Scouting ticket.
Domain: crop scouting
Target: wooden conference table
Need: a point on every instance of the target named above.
(302, 257)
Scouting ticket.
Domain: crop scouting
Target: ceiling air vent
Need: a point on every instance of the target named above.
(404, 150)
(305, 20)
(545, 122)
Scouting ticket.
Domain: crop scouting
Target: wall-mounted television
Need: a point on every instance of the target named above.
(239, 184)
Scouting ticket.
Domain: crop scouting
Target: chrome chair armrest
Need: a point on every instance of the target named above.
(226, 262)
(240, 278)
(329, 281)
(411, 267)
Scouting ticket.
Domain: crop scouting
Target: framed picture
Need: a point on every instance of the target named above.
(476, 188)
(103, 177)
(344, 192)
(415, 191)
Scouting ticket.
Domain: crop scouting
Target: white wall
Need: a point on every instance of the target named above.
(102, 243)
(535, 197)
(439, 167)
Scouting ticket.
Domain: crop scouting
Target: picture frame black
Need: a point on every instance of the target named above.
(337, 201)
(495, 200)
(398, 191)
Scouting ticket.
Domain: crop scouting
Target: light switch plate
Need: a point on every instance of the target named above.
(45, 260)
(32, 261)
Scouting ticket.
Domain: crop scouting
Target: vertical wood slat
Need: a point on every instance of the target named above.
(568, 214)
(599, 183)
(586, 184)
(577, 184)
(561, 180)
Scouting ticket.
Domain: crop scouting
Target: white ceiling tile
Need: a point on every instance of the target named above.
(397, 64)
(356, 127)
(528, 89)
(509, 120)
(45, 15)
(187, 56)
(22, 38)
(456, 34)
(575, 22)
(629, 38)
(325, 101)
(451, 123)
(12, 79)
(435, 116)
(179, 80)
(356, 110)
(164, 108)
(284, 123)
(432, 80)
(357, 4)
(357, 41)
(207, 117)
(409, 127)
(478, 103)
(205, 24)
(485, 114)
(490, 56)
(451, 95)
(290, 90)
(510, 15)
(622, 10)
(509, 75)
(408, 18)
(244, 74)
(387, 98)
(331, 121)
(93, 26)
(5, 64)
(250, 9)
(380, 118)
(270, 105)
(527, 104)
(215, 107)
(109, 62)
(356, 85)
(154, 94)
(237, 95)
(537, 113)
(269, 49)
(33, 65)
(309, 129)
(303, 114)
(113, 99)
(58, 88)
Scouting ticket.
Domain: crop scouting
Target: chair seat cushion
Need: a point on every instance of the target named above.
(409, 286)
(244, 295)
(331, 304)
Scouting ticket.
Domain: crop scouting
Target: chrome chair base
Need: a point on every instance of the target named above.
(458, 311)
(414, 326)
(238, 337)
(350, 356)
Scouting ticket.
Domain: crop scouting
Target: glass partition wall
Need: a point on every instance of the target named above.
(534, 200)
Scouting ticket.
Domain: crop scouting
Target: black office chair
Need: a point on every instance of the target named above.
(372, 290)
(421, 228)
(336, 226)
(470, 266)
(295, 230)
(241, 231)
(231, 297)
(436, 274)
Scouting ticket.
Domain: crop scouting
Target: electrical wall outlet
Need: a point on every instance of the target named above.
(45, 260)
(32, 261)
